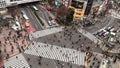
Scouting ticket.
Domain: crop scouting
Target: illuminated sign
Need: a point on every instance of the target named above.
(77, 4)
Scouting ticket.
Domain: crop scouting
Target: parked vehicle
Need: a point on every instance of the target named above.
(22, 11)
(25, 16)
(50, 23)
(35, 8)
(53, 22)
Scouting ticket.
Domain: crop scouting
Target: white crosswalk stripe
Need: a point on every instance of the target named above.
(57, 53)
(14, 62)
(89, 35)
(45, 32)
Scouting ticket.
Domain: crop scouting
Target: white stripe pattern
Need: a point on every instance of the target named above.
(45, 32)
(14, 62)
(89, 35)
(54, 52)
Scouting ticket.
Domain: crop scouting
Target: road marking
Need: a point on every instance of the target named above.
(56, 52)
(14, 62)
(45, 32)
(105, 26)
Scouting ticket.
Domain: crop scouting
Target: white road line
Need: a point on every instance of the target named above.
(112, 19)
(14, 62)
(89, 35)
(54, 53)
(45, 32)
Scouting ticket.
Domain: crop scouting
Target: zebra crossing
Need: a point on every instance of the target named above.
(45, 32)
(56, 52)
(89, 35)
(17, 61)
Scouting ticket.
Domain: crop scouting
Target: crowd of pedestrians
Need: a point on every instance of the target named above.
(12, 42)
(74, 40)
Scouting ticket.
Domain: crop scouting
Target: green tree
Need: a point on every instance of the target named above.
(69, 17)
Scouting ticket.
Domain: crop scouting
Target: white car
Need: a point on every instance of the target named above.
(50, 23)
(112, 29)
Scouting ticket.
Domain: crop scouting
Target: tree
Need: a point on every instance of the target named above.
(69, 17)
(62, 11)
(65, 15)
(52, 3)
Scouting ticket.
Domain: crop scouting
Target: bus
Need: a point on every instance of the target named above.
(35, 8)
(25, 16)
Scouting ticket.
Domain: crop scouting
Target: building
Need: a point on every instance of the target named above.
(65, 2)
(79, 7)
(2, 3)
(88, 7)
(7, 3)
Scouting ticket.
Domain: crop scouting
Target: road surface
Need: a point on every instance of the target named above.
(33, 19)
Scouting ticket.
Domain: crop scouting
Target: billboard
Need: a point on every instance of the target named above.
(77, 4)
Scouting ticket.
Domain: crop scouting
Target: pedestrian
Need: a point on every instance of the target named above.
(12, 47)
(5, 50)
(16, 57)
(30, 66)
(28, 59)
(23, 41)
(12, 50)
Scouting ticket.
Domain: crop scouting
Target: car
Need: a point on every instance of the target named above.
(106, 33)
(109, 28)
(112, 29)
(53, 22)
(112, 33)
(49, 23)
(22, 11)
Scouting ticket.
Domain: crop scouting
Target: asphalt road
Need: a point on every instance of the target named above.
(69, 39)
(99, 25)
(34, 21)
(43, 13)
(39, 62)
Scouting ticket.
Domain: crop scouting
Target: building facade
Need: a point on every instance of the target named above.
(2, 3)
(79, 7)
(7, 3)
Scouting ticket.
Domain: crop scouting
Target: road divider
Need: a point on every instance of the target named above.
(38, 18)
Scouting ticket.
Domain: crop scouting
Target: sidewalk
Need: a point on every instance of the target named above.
(11, 42)
(89, 35)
